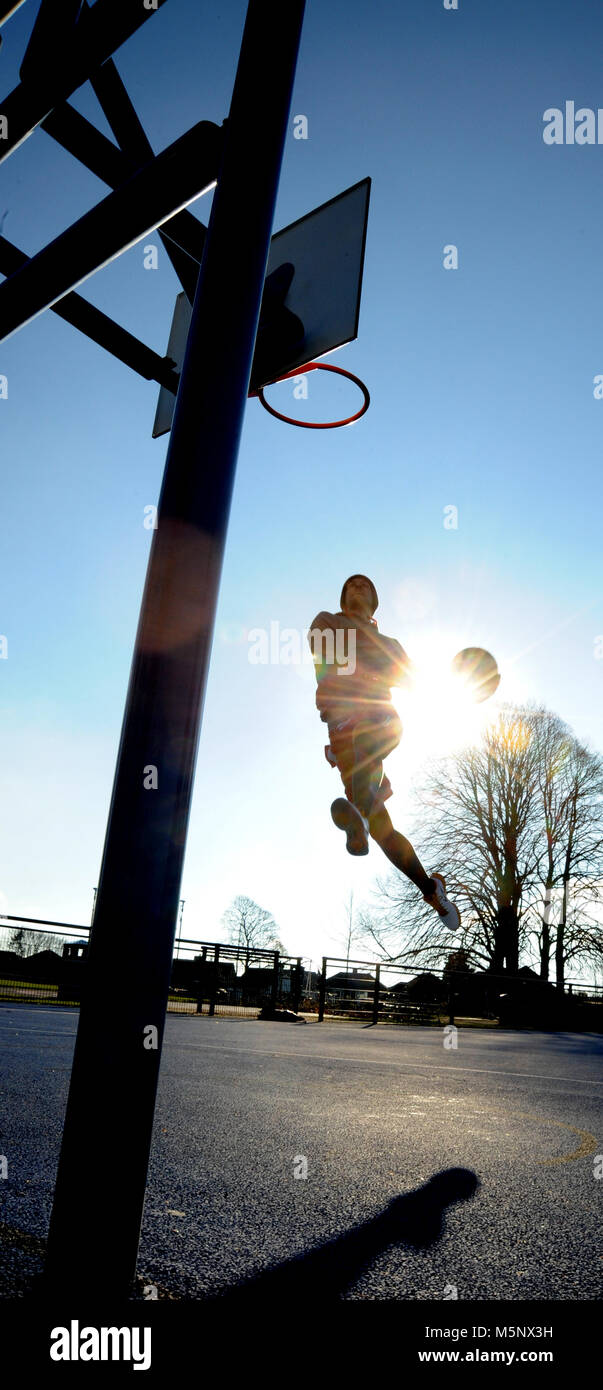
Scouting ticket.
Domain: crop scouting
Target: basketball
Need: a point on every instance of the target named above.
(479, 672)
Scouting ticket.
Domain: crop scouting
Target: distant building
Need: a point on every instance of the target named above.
(258, 979)
(10, 963)
(75, 950)
(425, 988)
(43, 965)
(356, 983)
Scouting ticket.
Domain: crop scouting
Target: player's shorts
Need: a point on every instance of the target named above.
(357, 748)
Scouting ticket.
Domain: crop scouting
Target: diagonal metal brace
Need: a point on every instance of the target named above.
(184, 237)
(102, 29)
(80, 138)
(166, 184)
(102, 329)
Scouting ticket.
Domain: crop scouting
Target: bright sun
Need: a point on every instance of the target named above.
(440, 714)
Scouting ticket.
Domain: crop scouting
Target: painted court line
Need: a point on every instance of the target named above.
(384, 1062)
(361, 1061)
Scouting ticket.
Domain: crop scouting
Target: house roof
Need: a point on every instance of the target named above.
(354, 981)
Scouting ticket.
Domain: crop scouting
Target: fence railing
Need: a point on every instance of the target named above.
(368, 991)
(45, 963)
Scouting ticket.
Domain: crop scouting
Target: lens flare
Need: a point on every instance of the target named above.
(441, 714)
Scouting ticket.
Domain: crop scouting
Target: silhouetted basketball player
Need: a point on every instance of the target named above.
(355, 669)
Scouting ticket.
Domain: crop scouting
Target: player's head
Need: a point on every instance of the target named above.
(359, 596)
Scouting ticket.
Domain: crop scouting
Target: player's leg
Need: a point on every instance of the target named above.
(344, 812)
(359, 752)
(358, 749)
(371, 743)
(401, 853)
(347, 817)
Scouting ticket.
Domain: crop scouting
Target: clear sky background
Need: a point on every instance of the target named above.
(482, 397)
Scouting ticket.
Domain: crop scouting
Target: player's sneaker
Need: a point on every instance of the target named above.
(348, 818)
(440, 902)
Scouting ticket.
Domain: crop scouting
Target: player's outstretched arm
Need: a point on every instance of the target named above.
(402, 670)
(329, 622)
(320, 644)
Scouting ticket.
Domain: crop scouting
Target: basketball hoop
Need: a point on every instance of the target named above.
(307, 424)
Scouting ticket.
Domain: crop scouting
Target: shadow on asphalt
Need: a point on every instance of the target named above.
(416, 1219)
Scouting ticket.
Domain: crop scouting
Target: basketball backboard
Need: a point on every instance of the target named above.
(325, 251)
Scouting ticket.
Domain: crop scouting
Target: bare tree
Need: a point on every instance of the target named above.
(400, 930)
(251, 926)
(554, 740)
(26, 942)
(486, 834)
(515, 825)
(16, 941)
(571, 791)
(353, 931)
(478, 825)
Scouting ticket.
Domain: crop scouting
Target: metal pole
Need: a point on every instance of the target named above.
(201, 982)
(182, 902)
(100, 1188)
(376, 996)
(298, 985)
(322, 989)
(275, 979)
(560, 940)
(213, 988)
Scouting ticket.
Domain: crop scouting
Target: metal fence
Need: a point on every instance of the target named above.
(39, 960)
(218, 978)
(370, 992)
(45, 963)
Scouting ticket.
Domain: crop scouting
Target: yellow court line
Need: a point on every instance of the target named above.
(589, 1145)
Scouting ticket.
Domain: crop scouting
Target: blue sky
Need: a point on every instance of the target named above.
(482, 384)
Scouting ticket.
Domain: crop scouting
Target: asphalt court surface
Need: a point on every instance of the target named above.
(366, 1163)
